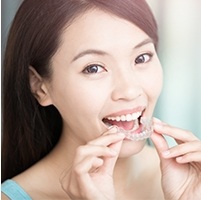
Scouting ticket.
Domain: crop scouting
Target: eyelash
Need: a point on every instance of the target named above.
(96, 69)
(143, 59)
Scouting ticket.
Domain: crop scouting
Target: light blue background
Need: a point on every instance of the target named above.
(180, 54)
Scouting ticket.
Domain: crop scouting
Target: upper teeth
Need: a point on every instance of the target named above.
(128, 117)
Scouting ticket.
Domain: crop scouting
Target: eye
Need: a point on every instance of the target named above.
(94, 69)
(143, 58)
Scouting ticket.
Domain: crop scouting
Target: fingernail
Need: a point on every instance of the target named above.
(121, 135)
(158, 126)
(179, 159)
(157, 120)
(113, 129)
(166, 153)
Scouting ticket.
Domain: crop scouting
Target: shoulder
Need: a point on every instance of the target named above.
(3, 196)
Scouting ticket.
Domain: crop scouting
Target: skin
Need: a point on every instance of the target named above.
(101, 163)
(119, 85)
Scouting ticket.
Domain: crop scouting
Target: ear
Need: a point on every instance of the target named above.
(39, 88)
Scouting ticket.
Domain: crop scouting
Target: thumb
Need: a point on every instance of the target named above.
(159, 142)
(161, 146)
(109, 162)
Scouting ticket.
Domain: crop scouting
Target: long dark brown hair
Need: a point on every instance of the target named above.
(31, 131)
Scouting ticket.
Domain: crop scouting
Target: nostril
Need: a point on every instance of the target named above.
(126, 92)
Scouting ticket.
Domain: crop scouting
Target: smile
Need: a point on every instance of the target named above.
(128, 117)
(128, 121)
(133, 125)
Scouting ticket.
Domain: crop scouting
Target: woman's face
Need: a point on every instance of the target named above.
(105, 68)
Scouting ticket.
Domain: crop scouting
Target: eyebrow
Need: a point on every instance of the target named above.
(89, 52)
(103, 53)
(144, 42)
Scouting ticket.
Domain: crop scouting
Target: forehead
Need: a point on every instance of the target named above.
(98, 29)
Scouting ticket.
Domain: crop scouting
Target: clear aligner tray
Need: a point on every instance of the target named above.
(147, 129)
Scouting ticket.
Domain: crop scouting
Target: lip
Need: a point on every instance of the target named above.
(144, 130)
(127, 111)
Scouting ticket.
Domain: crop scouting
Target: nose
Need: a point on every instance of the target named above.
(127, 86)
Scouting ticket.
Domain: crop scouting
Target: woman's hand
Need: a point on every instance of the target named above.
(181, 164)
(91, 175)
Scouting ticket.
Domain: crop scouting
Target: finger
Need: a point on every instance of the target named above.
(161, 146)
(98, 147)
(109, 163)
(179, 134)
(87, 165)
(158, 121)
(159, 142)
(109, 137)
(111, 129)
(190, 157)
(182, 149)
(91, 150)
(80, 181)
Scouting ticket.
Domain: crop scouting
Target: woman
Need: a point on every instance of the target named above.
(79, 77)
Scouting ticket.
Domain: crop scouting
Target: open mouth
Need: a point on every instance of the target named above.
(133, 125)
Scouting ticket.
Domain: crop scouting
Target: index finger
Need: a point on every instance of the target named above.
(108, 138)
(174, 132)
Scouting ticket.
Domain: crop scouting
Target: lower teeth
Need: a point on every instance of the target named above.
(145, 133)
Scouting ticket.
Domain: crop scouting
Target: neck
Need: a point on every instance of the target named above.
(129, 170)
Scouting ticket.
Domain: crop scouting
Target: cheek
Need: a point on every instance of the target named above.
(79, 100)
(89, 97)
(80, 107)
(153, 82)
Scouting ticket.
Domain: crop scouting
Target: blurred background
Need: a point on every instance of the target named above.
(180, 54)
(179, 25)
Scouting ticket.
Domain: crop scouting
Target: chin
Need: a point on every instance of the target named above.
(130, 148)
